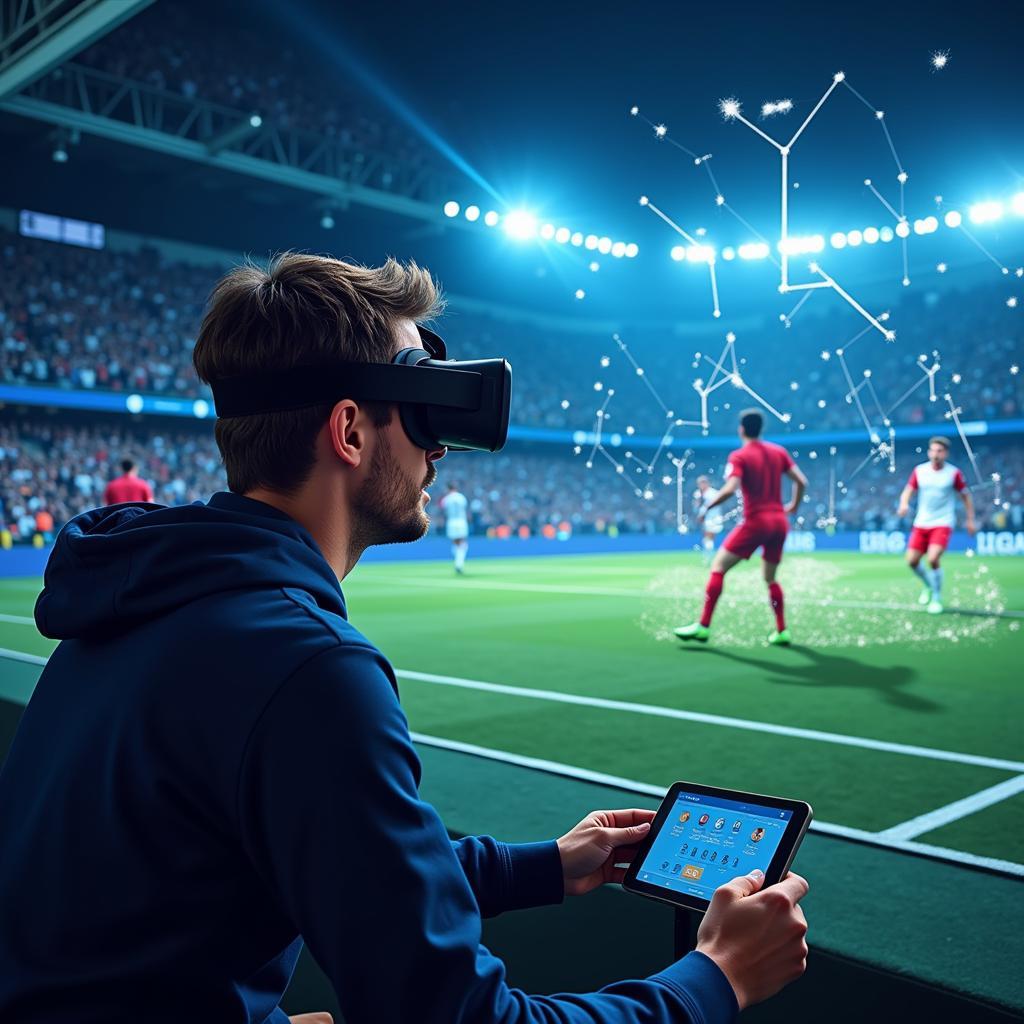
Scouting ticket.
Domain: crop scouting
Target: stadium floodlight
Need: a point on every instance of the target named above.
(491, 218)
(728, 253)
(520, 224)
(903, 229)
(604, 245)
(854, 237)
(838, 240)
(632, 250)
(472, 213)
(200, 408)
(134, 404)
(678, 253)
(953, 219)
(986, 212)
(451, 208)
(577, 238)
(619, 250)
(871, 235)
(590, 242)
(562, 235)
(1017, 204)
(547, 231)
(753, 251)
(886, 234)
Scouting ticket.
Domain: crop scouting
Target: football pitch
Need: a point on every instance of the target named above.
(900, 728)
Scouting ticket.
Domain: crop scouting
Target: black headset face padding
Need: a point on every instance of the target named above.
(414, 416)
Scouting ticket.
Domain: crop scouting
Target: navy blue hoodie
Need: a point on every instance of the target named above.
(215, 767)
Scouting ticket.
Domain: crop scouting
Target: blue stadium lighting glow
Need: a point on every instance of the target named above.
(472, 213)
(520, 224)
(953, 219)
(678, 253)
(451, 208)
(838, 240)
(886, 234)
(871, 235)
(547, 232)
(1017, 204)
(562, 235)
(491, 218)
(986, 212)
(854, 238)
(577, 238)
(590, 242)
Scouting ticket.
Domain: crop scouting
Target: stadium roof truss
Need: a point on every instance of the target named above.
(109, 106)
(38, 35)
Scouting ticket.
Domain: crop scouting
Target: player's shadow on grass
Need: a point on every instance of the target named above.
(829, 671)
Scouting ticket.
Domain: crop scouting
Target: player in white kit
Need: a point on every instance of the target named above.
(456, 525)
(937, 483)
(712, 521)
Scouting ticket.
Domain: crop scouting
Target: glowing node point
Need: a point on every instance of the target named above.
(786, 418)
(839, 76)
(730, 108)
(719, 200)
(634, 111)
(826, 355)
(906, 282)
(565, 403)
(941, 268)
(644, 200)
(880, 114)
(730, 337)
(902, 177)
(890, 335)
(867, 181)
(580, 293)
(939, 59)
(660, 131)
(1012, 302)
(717, 313)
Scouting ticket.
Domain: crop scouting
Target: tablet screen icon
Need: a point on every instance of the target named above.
(737, 825)
(684, 817)
(703, 820)
(720, 823)
(757, 835)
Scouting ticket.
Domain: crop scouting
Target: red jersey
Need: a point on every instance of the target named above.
(125, 489)
(760, 466)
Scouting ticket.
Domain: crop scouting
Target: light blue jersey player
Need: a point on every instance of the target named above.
(456, 525)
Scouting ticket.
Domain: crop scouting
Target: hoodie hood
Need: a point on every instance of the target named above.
(112, 568)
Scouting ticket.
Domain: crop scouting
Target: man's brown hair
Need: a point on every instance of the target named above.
(944, 441)
(301, 310)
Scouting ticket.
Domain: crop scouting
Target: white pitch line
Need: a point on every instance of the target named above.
(956, 857)
(18, 620)
(955, 811)
(563, 588)
(30, 659)
(658, 711)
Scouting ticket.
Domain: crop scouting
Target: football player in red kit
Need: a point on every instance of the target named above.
(757, 469)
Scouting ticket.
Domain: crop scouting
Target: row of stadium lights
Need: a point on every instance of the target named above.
(522, 226)
(980, 213)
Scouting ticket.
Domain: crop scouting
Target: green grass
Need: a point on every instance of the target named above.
(598, 626)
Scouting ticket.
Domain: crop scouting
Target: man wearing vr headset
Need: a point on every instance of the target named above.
(215, 766)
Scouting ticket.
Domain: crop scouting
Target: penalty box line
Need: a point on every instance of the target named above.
(958, 858)
(659, 711)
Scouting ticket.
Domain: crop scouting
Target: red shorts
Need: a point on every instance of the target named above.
(924, 537)
(767, 531)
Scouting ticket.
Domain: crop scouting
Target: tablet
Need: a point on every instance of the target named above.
(704, 837)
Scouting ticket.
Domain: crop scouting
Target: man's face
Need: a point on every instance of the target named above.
(392, 501)
(937, 453)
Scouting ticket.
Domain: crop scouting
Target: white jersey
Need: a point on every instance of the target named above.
(456, 524)
(936, 494)
(713, 519)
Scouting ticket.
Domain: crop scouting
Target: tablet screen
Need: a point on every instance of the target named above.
(707, 841)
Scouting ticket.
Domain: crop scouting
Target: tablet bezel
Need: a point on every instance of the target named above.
(796, 829)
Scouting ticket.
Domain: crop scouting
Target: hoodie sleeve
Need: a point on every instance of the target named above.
(510, 876)
(330, 816)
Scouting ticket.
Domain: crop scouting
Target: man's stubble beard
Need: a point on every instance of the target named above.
(389, 508)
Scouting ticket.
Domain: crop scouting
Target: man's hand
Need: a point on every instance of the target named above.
(323, 1017)
(903, 510)
(756, 937)
(972, 526)
(599, 842)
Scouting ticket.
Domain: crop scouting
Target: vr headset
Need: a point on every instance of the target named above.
(462, 406)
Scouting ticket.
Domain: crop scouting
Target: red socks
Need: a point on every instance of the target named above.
(775, 596)
(712, 593)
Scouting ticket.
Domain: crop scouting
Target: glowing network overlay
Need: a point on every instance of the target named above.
(725, 370)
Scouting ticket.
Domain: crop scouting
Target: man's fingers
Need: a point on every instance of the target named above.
(794, 886)
(624, 817)
(625, 854)
(630, 836)
(745, 885)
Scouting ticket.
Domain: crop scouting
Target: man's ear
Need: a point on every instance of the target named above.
(347, 430)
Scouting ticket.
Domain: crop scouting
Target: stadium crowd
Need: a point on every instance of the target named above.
(51, 469)
(121, 321)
